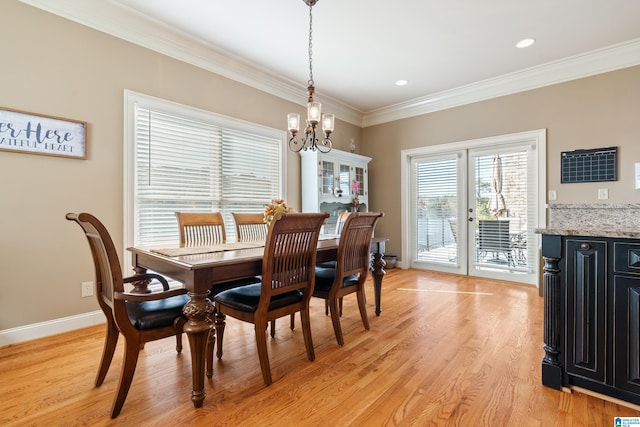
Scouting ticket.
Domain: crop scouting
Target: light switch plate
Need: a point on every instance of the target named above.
(603, 193)
(553, 195)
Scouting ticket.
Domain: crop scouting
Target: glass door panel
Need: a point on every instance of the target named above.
(502, 205)
(437, 244)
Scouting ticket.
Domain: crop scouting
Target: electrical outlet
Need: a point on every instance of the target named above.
(87, 289)
(553, 195)
(603, 193)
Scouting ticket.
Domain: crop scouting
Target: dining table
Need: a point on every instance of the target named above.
(200, 268)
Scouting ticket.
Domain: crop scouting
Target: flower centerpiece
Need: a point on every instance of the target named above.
(355, 191)
(276, 205)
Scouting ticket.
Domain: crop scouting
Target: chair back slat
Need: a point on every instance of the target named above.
(290, 253)
(250, 227)
(355, 242)
(201, 228)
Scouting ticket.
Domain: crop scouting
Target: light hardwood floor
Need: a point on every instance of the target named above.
(446, 351)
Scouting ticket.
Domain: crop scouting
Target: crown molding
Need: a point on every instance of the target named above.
(127, 24)
(599, 61)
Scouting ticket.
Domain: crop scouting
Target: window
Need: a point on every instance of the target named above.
(179, 158)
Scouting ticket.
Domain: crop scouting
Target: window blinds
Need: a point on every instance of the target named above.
(184, 164)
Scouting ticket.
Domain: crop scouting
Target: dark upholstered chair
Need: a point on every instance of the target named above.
(206, 229)
(139, 317)
(287, 283)
(350, 272)
(250, 227)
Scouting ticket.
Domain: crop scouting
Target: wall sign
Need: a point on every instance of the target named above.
(39, 134)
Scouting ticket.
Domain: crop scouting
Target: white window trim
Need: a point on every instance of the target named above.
(131, 99)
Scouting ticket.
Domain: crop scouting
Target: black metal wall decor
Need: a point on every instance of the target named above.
(594, 165)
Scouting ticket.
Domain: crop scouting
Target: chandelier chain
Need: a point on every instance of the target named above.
(310, 83)
(324, 122)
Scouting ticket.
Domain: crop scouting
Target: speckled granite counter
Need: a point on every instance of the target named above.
(591, 232)
(598, 220)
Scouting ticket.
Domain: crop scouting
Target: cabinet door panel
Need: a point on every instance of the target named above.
(627, 333)
(586, 308)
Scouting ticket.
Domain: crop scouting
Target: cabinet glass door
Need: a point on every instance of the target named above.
(345, 180)
(359, 176)
(326, 172)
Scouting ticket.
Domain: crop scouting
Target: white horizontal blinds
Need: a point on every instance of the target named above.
(436, 209)
(251, 174)
(175, 170)
(504, 209)
(184, 164)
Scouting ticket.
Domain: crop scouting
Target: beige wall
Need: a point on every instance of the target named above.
(55, 67)
(594, 112)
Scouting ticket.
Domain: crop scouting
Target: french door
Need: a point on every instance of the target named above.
(473, 207)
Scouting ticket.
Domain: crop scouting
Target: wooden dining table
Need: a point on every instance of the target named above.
(201, 268)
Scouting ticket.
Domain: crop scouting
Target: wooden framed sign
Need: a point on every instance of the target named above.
(24, 132)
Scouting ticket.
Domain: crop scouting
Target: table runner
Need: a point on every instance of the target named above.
(194, 250)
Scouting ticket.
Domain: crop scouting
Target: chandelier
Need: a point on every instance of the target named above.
(314, 113)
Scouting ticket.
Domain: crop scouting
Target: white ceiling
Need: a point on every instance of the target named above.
(450, 51)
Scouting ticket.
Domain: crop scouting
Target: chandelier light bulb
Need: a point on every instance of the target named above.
(314, 112)
(293, 120)
(327, 123)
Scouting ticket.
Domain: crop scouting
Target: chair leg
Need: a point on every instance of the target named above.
(335, 319)
(211, 342)
(306, 332)
(292, 322)
(362, 305)
(263, 355)
(219, 324)
(178, 324)
(110, 342)
(273, 328)
(126, 376)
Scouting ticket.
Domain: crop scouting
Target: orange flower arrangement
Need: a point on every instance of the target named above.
(276, 205)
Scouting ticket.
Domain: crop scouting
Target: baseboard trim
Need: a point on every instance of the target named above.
(50, 327)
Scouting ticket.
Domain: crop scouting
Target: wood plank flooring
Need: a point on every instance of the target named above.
(446, 351)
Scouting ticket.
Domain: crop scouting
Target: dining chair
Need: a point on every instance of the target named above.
(140, 318)
(342, 217)
(287, 283)
(494, 236)
(250, 227)
(205, 229)
(351, 269)
(201, 228)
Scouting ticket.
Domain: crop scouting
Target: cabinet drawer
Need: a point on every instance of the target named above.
(626, 257)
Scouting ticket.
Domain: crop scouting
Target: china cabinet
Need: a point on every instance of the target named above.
(334, 182)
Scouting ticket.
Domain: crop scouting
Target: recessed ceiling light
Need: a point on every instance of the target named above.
(401, 82)
(525, 43)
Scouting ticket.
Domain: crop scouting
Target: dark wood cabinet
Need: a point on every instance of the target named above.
(592, 314)
(586, 307)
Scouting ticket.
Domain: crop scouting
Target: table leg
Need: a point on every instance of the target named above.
(197, 328)
(377, 271)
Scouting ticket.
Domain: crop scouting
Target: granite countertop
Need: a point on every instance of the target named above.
(594, 220)
(591, 232)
